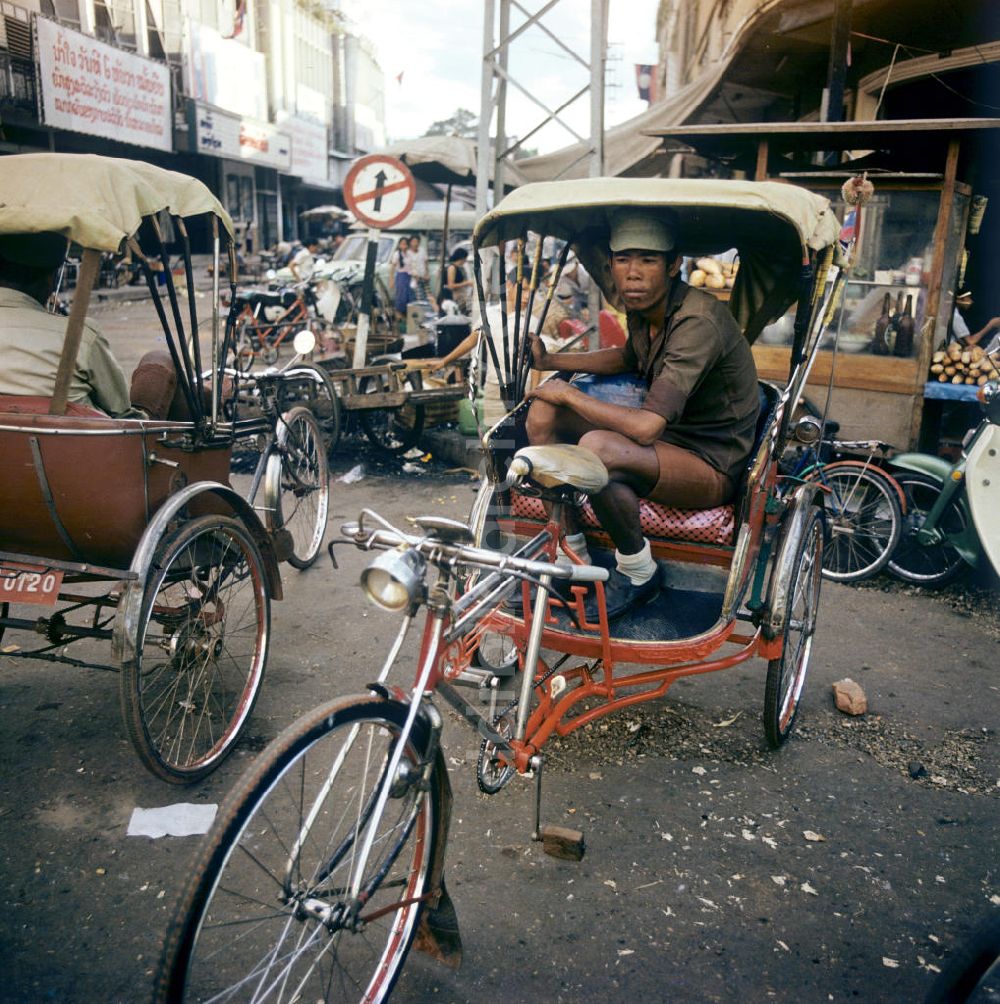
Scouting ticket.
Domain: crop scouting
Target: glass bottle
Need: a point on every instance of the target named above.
(904, 330)
(880, 347)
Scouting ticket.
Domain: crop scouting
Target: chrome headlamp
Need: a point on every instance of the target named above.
(807, 429)
(396, 580)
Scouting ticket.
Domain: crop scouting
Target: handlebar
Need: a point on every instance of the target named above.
(386, 537)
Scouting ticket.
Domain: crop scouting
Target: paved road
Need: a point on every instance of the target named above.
(698, 882)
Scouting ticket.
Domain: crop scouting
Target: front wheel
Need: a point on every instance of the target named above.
(394, 430)
(277, 907)
(308, 385)
(865, 520)
(200, 649)
(787, 674)
(298, 485)
(914, 561)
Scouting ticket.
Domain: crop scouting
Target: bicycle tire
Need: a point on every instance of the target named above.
(495, 652)
(200, 645)
(786, 674)
(926, 564)
(393, 430)
(864, 517)
(298, 485)
(236, 886)
(309, 385)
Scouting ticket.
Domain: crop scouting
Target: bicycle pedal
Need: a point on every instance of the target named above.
(283, 543)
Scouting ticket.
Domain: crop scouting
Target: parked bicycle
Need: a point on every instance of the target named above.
(268, 319)
(864, 504)
(293, 464)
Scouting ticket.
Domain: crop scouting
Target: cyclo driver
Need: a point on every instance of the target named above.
(689, 439)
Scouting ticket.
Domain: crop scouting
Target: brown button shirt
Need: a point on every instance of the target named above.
(701, 378)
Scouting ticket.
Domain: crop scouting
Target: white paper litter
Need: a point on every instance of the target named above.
(353, 475)
(182, 819)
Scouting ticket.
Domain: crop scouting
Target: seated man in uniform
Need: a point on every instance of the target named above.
(689, 440)
(31, 341)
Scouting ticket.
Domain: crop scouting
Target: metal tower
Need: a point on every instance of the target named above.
(497, 41)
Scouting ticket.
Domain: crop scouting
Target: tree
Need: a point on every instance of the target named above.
(461, 122)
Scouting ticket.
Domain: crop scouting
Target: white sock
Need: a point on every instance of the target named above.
(577, 543)
(639, 567)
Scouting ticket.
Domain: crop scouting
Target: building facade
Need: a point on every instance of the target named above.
(257, 98)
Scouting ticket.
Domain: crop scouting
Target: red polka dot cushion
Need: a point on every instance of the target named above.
(699, 526)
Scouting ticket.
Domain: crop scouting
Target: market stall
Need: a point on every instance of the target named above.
(898, 306)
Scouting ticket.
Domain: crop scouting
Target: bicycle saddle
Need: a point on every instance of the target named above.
(561, 466)
(266, 297)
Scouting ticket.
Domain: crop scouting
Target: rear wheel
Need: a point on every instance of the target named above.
(269, 913)
(926, 564)
(244, 349)
(865, 521)
(394, 430)
(309, 386)
(298, 485)
(786, 674)
(200, 649)
(495, 652)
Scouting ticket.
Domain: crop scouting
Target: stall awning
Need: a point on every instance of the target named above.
(626, 146)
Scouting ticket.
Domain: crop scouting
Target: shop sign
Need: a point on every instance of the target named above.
(310, 159)
(220, 135)
(94, 88)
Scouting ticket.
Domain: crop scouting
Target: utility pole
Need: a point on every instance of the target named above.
(497, 79)
(836, 75)
(598, 54)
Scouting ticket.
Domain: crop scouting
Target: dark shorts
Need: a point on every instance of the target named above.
(688, 482)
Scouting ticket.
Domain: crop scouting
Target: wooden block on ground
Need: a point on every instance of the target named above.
(562, 842)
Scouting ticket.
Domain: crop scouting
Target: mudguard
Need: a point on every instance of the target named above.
(982, 486)
(437, 933)
(226, 500)
(803, 503)
(967, 542)
(923, 463)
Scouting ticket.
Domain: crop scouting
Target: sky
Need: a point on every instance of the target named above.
(437, 45)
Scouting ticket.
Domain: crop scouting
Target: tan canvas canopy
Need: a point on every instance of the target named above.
(774, 227)
(95, 201)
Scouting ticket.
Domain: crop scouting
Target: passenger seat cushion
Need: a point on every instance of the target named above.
(25, 404)
(698, 526)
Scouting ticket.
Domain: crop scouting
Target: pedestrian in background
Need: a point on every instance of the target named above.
(401, 292)
(457, 285)
(420, 273)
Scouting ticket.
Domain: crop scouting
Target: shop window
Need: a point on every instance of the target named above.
(114, 22)
(890, 279)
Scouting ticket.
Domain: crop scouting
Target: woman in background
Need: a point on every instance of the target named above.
(401, 276)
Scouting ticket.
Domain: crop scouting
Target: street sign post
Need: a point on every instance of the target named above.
(379, 190)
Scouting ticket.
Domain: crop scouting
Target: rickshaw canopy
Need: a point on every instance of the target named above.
(773, 226)
(94, 201)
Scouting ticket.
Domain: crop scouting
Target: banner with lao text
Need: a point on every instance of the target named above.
(90, 87)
